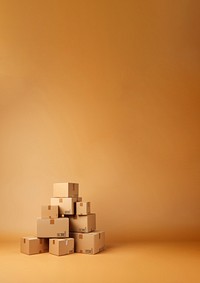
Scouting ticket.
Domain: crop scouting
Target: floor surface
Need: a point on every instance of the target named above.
(137, 262)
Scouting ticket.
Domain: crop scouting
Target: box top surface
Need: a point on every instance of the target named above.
(61, 240)
(90, 233)
(30, 238)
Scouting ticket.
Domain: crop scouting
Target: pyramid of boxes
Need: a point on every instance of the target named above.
(65, 226)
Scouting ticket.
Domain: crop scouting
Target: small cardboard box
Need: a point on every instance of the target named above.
(33, 245)
(66, 205)
(61, 246)
(79, 198)
(82, 208)
(65, 190)
(83, 223)
(89, 243)
(49, 211)
(53, 228)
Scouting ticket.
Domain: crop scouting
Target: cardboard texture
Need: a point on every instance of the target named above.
(66, 205)
(49, 211)
(33, 245)
(89, 243)
(53, 228)
(83, 223)
(82, 208)
(65, 190)
(61, 246)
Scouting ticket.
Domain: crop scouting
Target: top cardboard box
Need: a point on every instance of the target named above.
(65, 190)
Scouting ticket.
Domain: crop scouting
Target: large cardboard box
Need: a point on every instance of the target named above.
(53, 228)
(61, 246)
(82, 208)
(49, 211)
(83, 223)
(33, 245)
(65, 190)
(66, 205)
(89, 243)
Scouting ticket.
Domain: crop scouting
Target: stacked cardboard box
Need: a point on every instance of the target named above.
(65, 226)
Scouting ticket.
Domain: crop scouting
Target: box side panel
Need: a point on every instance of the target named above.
(53, 228)
(54, 246)
(78, 224)
(29, 246)
(99, 242)
(91, 222)
(49, 211)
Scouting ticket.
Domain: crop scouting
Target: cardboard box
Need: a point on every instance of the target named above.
(89, 243)
(33, 245)
(83, 223)
(49, 211)
(53, 228)
(79, 198)
(61, 246)
(65, 190)
(66, 205)
(82, 208)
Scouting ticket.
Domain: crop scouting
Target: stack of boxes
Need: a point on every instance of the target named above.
(65, 226)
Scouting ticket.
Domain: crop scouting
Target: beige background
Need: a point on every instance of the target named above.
(105, 93)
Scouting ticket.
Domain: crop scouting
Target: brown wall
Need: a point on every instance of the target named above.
(105, 93)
